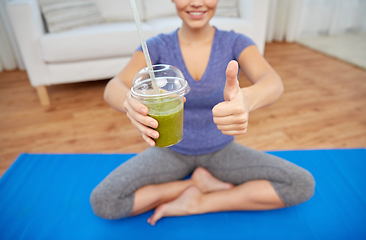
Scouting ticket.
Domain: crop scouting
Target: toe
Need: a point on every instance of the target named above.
(157, 215)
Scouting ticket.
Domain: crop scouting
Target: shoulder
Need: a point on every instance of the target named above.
(162, 39)
(234, 37)
(161, 46)
(233, 43)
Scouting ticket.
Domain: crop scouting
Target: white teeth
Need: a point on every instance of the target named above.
(196, 13)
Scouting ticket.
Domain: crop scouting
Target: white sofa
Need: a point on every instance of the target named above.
(100, 51)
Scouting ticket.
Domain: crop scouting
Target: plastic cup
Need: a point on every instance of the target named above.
(166, 106)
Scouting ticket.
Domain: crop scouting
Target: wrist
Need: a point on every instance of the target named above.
(115, 94)
(248, 97)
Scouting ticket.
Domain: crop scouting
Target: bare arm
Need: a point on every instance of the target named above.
(267, 85)
(117, 94)
(231, 116)
(117, 88)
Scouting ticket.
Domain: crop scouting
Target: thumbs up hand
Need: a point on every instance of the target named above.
(231, 116)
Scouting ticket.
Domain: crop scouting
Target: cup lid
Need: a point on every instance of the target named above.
(169, 81)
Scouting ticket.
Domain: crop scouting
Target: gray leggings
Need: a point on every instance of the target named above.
(113, 198)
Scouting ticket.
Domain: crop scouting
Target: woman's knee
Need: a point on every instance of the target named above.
(110, 206)
(301, 189)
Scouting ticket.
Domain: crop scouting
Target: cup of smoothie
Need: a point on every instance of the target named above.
(164, 101)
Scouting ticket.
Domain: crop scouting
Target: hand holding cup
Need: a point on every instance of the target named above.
(137, 113)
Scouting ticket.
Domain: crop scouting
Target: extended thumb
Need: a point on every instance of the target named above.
(232, 84)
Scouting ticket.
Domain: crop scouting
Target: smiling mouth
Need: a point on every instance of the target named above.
(195, 13)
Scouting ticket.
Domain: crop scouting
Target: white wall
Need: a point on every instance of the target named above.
(303, 18)
(10, 57)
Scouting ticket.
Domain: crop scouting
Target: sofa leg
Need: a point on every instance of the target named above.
(43, 95)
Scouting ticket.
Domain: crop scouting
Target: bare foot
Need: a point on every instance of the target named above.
(185, 204)
(208, 183)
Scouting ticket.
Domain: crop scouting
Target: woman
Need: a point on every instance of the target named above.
(226, 176)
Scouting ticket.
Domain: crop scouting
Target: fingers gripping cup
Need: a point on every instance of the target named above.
(165, 104)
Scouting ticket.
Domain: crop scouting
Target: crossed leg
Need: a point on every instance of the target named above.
(150, 196)
(253, 195)
(150, 180)
(262, 182)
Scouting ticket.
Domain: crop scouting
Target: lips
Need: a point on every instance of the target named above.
(196, 14)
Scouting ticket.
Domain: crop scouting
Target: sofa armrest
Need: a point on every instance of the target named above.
(26, 21)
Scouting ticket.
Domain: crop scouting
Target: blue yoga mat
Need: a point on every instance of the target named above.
(46, 196)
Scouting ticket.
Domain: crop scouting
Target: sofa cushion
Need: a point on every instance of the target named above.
(62, 15)
(159, 8)
(93, 42)
(165, 25)
(119, 10)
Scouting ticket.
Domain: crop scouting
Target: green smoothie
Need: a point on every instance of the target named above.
(169, 114)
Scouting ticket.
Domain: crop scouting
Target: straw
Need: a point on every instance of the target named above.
(144, 46)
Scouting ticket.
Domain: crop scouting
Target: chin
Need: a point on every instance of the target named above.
(197, 24)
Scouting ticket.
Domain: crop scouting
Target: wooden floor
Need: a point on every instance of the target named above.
(324, 106)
